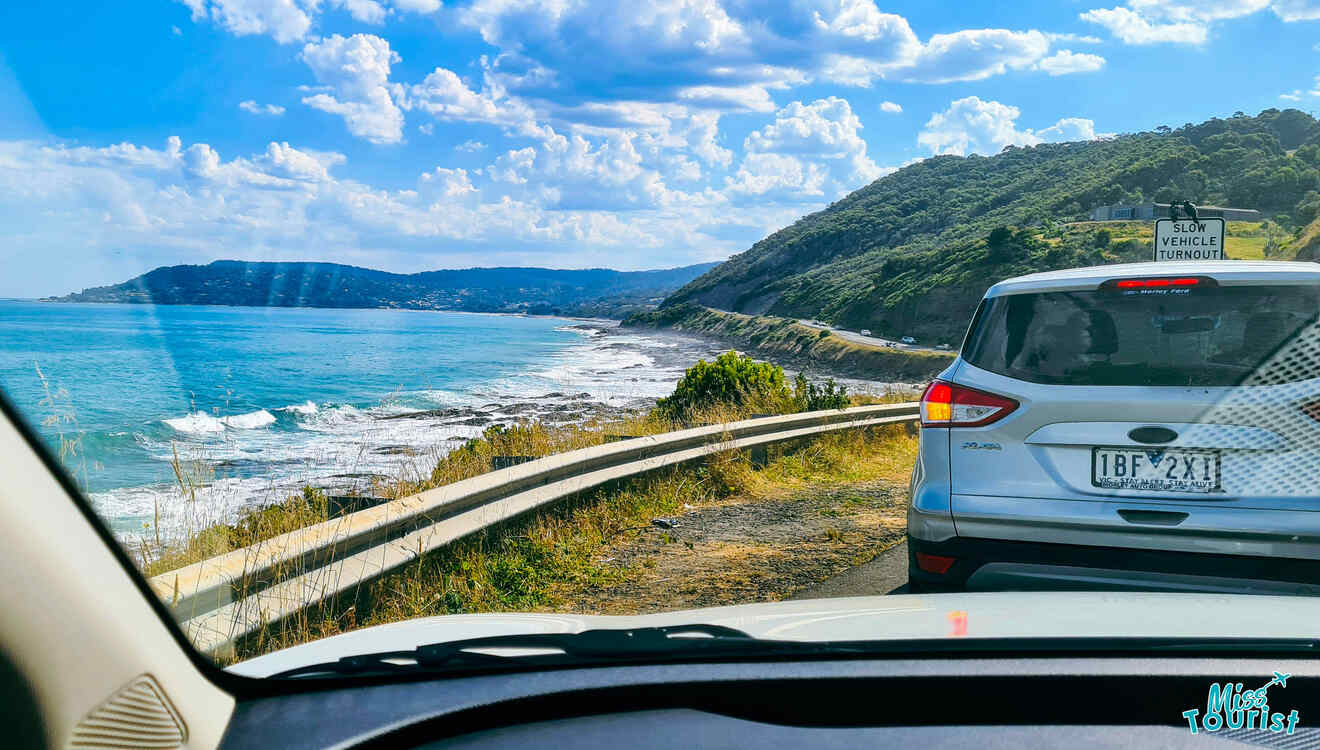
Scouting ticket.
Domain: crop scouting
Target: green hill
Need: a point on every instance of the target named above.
(911, 253)
(594, 291)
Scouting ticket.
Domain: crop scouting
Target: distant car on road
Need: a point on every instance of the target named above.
(943, 347)
(908, 340)
(865, 331)
(1152, 426)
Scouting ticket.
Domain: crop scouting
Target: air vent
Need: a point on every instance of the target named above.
(138, 716)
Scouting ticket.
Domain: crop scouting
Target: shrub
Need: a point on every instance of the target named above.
(732, 380)
(816, 396)
(823, 334)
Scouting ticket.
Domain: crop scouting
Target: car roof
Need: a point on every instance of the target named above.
(1226, 272)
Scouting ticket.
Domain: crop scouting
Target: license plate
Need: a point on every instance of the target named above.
(1155, 470)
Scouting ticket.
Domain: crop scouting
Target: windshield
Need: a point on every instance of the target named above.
(414, 321)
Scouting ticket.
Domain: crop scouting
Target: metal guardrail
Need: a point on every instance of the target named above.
(227, 597)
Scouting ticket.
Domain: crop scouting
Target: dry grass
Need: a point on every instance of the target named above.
(203, 537)
(551, 560)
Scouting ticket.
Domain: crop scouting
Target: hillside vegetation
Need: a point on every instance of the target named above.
(787, 341)
(911, 253)
(596, 291)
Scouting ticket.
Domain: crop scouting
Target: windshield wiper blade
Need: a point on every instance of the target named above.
(586, 646)
(698, 641)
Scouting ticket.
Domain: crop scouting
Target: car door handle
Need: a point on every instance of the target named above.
(1155, 517)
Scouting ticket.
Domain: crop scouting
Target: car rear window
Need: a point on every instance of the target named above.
(1204, 336)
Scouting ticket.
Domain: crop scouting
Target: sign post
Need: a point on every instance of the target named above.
(1189, 239)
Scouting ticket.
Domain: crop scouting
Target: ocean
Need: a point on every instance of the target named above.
(256, 403)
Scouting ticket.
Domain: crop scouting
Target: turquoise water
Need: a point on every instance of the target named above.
(258, 401)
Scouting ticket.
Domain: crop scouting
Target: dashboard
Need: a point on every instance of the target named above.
(988, 702)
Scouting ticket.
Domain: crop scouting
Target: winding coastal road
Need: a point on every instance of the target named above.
(858, 338)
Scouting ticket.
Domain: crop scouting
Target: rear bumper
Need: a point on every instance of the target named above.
(1195, 525)
(992, 564)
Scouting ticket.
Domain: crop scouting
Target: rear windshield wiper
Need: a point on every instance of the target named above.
(611, 645)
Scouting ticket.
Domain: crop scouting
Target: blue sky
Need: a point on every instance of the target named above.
(418, 134)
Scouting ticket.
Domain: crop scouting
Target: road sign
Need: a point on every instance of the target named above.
(1189, 239)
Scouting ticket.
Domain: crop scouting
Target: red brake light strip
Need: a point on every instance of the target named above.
(1136, 283)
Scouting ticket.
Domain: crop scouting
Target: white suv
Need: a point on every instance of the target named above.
(1150, 426)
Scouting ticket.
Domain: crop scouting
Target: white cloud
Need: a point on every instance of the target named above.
(569, 173)
(1189, 21)
(975, 54)
(284, 20)
(426, 128)
(780, 177)
(971, 125)
(731, 55)
(968, 55)
(417, 6)
(1056, 38)
(1296, 10)
(470, 146)
(180, 204)
(363, 11)
(728, 98)
(292, 20)
(1065, 61)
(702, 137)
(811, 152)
(1295, 96)
(1132, 28)
(252, 107)
(175, 30)
(444, 96)
(892, 107)
(1068, 129)
(1197, 11)
(356, 69)
(283, 160)
(449, 183)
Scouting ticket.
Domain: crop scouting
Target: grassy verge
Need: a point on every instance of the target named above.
(499, 443)
(808, 348)
(553, 560)
(1243, 240)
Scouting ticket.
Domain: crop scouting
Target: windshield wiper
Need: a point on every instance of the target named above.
(700, 641)
(650, 644)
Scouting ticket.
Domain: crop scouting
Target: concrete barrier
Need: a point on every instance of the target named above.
(227, 597)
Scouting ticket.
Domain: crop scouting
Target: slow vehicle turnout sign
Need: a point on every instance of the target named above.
(1189, 239)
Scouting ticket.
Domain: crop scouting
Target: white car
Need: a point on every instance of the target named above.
(865, 331)
(1148, 426)
(908, 340)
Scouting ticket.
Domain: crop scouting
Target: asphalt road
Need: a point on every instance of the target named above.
(858, 338)
(885, 574)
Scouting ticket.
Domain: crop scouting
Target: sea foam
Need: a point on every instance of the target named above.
(201, 423)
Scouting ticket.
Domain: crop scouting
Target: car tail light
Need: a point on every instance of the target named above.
(949, 405)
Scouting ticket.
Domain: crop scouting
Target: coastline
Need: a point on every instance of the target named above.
(108, 303)
(792, 345)
(265, 436)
